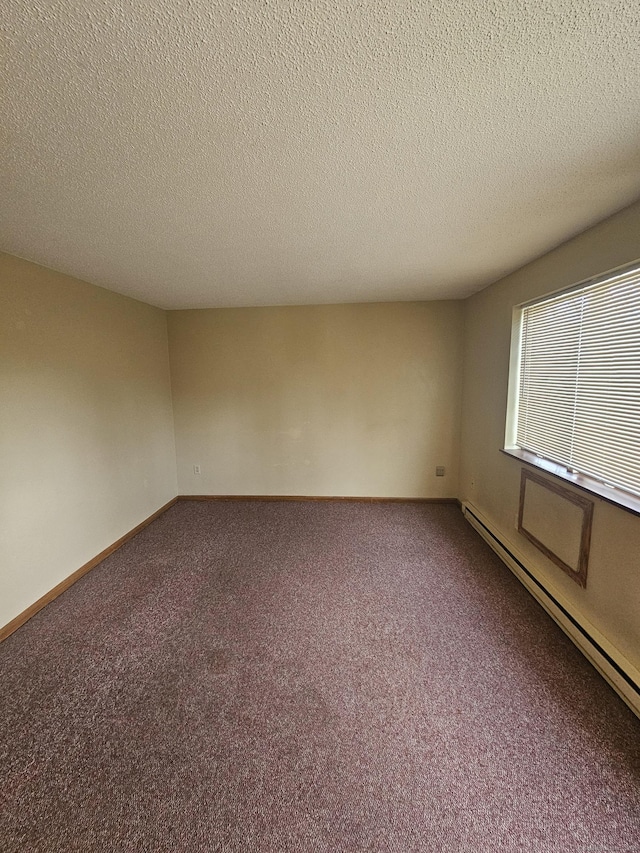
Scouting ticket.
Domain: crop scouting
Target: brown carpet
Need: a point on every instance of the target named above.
(309, 677)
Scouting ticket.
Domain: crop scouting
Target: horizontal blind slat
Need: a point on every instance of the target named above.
(579, 383)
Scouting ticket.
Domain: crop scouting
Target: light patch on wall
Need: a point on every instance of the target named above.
(295, 433)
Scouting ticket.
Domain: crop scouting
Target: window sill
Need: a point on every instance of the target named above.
(624, 500)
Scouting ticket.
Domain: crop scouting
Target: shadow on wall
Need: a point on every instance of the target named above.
(346, 399)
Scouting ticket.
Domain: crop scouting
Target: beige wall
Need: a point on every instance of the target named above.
(86, 429)
(321, 400)
(490, 480)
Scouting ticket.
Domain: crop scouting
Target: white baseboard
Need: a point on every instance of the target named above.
(610, 663)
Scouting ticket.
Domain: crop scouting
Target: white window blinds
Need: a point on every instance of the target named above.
(579, 380)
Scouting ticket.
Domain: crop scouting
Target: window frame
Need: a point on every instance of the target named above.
(610, 494)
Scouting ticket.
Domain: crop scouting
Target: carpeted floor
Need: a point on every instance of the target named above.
(309, 677)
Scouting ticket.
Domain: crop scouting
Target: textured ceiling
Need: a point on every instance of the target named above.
(194, 153)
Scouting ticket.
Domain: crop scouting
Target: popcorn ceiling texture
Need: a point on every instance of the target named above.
(195, 153)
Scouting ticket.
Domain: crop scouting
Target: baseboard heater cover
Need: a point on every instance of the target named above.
(610, 663)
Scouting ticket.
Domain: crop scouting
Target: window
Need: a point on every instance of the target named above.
(575, 383)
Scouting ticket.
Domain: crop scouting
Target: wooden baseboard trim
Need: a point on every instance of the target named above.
(38, 605)
(357, 499)
(23, 617)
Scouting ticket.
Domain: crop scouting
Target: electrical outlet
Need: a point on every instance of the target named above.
(439, 470)
(196, 469)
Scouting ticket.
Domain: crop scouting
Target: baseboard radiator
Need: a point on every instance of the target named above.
(610, 663)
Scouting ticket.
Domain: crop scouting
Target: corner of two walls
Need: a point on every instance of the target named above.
(109, 403)
(490, 480)
(86, 440)
(102, 394)
(361, 400)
